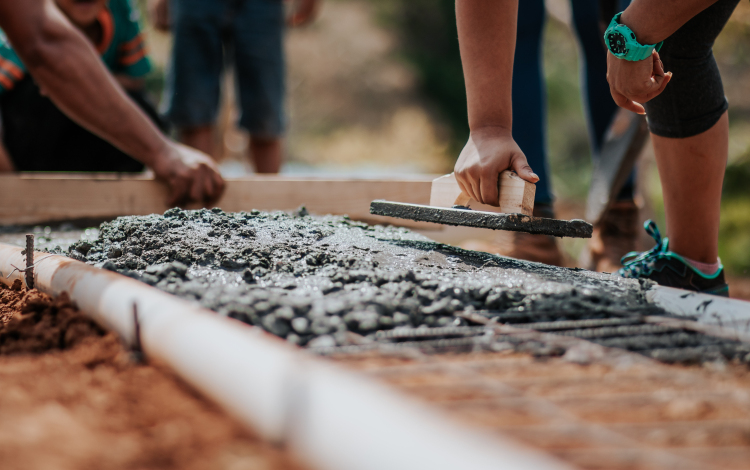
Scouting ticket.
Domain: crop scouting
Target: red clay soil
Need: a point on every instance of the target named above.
(625, 415)
(71, 397)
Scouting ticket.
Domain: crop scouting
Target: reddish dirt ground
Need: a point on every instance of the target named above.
(626, 413)
(71, 397)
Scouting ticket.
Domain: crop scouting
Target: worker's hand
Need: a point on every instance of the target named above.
(634, 83)
(489, 152)
(303, 12)
(192, 176)
(159, 11)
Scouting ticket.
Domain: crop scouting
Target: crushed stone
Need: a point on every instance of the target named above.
(327, 280)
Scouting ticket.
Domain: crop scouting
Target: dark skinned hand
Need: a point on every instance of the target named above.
(634, 83)
(489, 152)
(192, 176)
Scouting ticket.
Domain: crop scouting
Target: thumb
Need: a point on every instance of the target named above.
(522, 169)
(660, 83)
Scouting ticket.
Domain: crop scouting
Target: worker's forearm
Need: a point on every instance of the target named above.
(68, 70)
(487, 39)
(653, 21)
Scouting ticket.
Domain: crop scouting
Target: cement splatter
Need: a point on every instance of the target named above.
(321, 280)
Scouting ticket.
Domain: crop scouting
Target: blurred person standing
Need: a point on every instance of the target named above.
(209, 35)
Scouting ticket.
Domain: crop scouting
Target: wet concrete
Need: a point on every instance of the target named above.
(469, 218)
(316, 280)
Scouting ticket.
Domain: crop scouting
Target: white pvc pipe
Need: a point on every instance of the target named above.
(333, 418)
(721, 312)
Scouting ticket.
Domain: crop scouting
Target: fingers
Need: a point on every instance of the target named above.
(475, 188)
(179, 188)
(219, 185)
(520, 165)
(213, 187)
(462, 181)
(625, 103)
(658, 65)
(488, 191)
(197, 190)
(661, 82)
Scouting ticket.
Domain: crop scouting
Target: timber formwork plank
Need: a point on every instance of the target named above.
(37, 198)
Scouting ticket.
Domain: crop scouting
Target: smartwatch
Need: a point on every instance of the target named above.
(621, 42)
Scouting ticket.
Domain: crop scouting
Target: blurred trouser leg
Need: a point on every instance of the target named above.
(616, 234)
(191, 95)
(530, 132)
(257, 47)
(529, 95)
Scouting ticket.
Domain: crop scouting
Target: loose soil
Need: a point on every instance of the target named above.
(73, 398)
(624, 412)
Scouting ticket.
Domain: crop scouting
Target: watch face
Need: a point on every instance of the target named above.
(616, 43)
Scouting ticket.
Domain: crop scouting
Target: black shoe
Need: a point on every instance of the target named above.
(670, 269)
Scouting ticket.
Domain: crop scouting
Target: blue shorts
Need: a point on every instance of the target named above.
(208, 36)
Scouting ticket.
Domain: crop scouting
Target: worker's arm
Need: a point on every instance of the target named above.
(633, 83)
(68, 70)
(487, 39)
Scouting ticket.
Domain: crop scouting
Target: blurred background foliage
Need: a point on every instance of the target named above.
(376, 89)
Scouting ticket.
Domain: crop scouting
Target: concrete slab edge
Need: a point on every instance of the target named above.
(726, 316)
(330, 417)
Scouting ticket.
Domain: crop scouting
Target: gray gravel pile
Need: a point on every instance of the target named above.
(324, 280)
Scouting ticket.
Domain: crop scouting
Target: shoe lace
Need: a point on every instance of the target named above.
(636, 264)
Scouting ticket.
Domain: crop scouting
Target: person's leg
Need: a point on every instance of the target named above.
(266, 154)
(257, 39)
(616, 234)
(692, 173)
(192, 85)
(198, 137)
(599, 107)
(689, 128)
(529, 95)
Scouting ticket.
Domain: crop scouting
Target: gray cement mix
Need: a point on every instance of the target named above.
(337, 285)
(314, 280)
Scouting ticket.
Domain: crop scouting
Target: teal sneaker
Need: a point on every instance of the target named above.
(670, 269)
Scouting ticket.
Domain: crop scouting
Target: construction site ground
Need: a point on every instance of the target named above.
(573, 363)
(73, 398)
(610, 413)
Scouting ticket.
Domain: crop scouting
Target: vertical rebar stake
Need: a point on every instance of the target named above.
(136, 351)
(30, 260)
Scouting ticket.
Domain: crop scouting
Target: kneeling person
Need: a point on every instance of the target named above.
(36, 134)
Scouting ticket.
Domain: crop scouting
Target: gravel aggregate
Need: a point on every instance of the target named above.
(322, 280)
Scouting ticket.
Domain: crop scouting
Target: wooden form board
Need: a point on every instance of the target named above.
(516, 195)
(33, 198)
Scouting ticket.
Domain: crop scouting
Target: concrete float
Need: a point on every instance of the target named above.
(330, 417)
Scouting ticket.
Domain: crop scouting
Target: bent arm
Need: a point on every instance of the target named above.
(68, 70)
(654, 21)
(487, 40)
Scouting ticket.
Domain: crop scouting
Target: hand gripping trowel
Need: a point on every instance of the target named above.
(450, 206)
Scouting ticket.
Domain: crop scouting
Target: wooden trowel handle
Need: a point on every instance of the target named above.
(516, 195)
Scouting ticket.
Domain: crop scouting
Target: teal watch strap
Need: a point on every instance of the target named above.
(622, 43)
